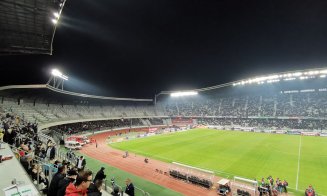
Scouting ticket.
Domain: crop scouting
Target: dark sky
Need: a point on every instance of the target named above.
(130, 48)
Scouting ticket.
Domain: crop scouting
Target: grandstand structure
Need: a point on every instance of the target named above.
(28, 27)
(292, 106)
(299, 104)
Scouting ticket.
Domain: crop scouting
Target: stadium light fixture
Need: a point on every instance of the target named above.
(56, 14)
(183, 93)
(54, 21)
(57, 73)
(57, 79)
(286, 76)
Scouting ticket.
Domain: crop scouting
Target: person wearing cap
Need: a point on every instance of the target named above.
(63, 183)
(129, 187)
(53, 188)
(100, 175)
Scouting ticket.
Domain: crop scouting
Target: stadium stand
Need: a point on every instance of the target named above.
(24, 111)
(276, 105)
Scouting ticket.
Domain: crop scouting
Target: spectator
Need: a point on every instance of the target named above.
(63, 183)
(51, 151)
(1, 135)
(100, 175)
(129, 187)
(81, 162)
(79, 188)
(310, 191)
(53, 188)
(95, 188)
(284, 185)
(115, 191)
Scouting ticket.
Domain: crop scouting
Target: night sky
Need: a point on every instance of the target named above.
(129, 48)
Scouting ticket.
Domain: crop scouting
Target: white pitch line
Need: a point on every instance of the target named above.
(298, 164)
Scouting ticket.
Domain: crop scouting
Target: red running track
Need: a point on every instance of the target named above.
(135, 164)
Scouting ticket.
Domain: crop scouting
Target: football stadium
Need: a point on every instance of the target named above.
(260, 135)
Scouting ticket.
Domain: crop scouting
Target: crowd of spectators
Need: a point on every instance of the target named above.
(304, 124)
(313, 104)
(24, 141)
(272, 187)
(156, 121)
(69, 176)
(74, 128)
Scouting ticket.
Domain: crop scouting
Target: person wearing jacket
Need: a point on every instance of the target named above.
(79, 188)
(63, 183)
(100, 175)
(116, 191)
(81, 163)
(53, 188)
(51, 151)
(95, 188)
(129, 187)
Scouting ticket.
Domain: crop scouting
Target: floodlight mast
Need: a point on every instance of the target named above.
(57, 79)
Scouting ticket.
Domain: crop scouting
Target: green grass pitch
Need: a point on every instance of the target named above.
(301, 159)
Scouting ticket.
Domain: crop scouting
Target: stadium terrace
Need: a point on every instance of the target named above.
(44, 118)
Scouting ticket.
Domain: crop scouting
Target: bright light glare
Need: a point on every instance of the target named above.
(54, 21)
(56, 14)
(185, 93)
(57, 73)
(284, 77)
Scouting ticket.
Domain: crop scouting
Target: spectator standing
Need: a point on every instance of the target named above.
(284, 185)
(310, 191)
(53, 188)
(115, 191)
(63, 183)
(95, 188)
(81, 162)
(51, 151)
(100, 175)
(129, 187)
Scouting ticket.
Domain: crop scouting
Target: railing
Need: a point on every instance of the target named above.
(39, 161)
(62, 155)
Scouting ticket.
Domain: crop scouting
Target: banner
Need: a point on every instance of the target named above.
(182, 121)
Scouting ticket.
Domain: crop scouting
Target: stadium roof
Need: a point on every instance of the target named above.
(28, 26)
(48, 94)
(267, 79)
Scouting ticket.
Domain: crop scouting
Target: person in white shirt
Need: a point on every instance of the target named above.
(81, 163)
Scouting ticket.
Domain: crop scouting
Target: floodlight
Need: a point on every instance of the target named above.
(56, 14)
(184, 93)
(54, 21)
(57, 73)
